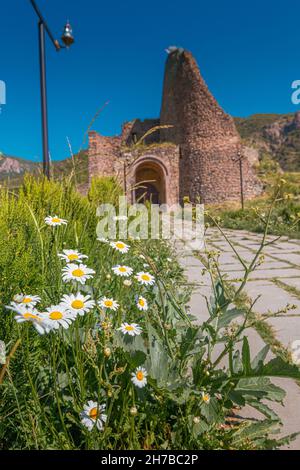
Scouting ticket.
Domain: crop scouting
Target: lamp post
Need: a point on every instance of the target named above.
(239, 158)
(67, 39)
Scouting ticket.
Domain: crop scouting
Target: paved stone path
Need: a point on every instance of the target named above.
(277, 281)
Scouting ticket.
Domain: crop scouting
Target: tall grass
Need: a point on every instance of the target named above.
(48, 379)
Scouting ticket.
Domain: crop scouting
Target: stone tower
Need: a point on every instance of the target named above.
(207, 137)
(197, 157)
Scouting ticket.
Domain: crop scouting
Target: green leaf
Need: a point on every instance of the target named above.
(226, 318)
(259, 359)
(211, 411)
(277, 367)
(253, 431)
(260, 387)
(188, 342)
(264, 409)
(246, 357)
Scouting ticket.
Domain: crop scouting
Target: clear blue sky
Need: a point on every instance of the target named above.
(248, 53)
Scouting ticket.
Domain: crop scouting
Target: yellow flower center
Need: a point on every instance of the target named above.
(129, 328)
(94, 413)
(206, 398)
(55, 220)
(73, 256)
(140, 375)
(122, 269)
(56, 315)
(26, 300)
(77, 304)
(29, 315)
(77, 273)
(108, 303)
(145, 277)
(120, 245)
(141, 302)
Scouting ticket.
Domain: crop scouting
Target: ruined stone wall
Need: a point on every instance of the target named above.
(103, 154)
(209, 142)
(133, 131)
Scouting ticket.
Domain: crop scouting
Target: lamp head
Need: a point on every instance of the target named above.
(67, 37)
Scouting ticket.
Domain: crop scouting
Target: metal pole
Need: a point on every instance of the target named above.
(241, 181)
(46, 161)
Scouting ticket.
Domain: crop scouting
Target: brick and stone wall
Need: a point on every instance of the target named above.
(103, 154)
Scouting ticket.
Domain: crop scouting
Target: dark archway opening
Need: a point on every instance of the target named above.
(150, 184)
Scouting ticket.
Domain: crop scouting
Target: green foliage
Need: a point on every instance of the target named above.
(104, 190)
(197, 374)
(285, 217)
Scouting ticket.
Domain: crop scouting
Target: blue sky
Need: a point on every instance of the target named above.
(248, 53)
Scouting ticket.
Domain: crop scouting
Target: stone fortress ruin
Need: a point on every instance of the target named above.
(196, 157)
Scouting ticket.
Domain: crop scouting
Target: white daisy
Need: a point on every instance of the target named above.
(120, 246)
(131, 329)
(55, 221)
(139, 377)
(77, 272)
(93, 414)
(205, 397)
(29, 300)
(77, 304)
(109, 303)
(142, 304)
(56, 316)
(127, 283)
(26, 313)
(145, 278)
(71, 256)
(123, 271)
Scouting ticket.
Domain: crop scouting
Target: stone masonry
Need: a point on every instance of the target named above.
(198, 156)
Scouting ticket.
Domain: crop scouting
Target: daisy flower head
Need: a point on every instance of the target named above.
(123, 271)
(131, 329)
(142, 304)
(93, 415)
(111, 304)
(120, 246)
(25, 313)
(205, 397)
(127, 283)
(29, 300)
(56, 316)
(77, 304)
(71, 256)
(139, 377)
(55, 221)
(145, 278)
(77, 272)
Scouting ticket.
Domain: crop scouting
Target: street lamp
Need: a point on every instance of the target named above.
(239, 158)
(68, 40)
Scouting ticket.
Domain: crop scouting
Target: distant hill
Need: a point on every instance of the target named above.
(275, 134)
(12, 169)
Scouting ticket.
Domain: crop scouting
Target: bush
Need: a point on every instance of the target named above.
(89, 384)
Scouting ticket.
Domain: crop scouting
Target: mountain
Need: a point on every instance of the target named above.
(275, 134)
(13, 169)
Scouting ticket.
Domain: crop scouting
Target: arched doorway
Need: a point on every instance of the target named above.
(150, 183)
